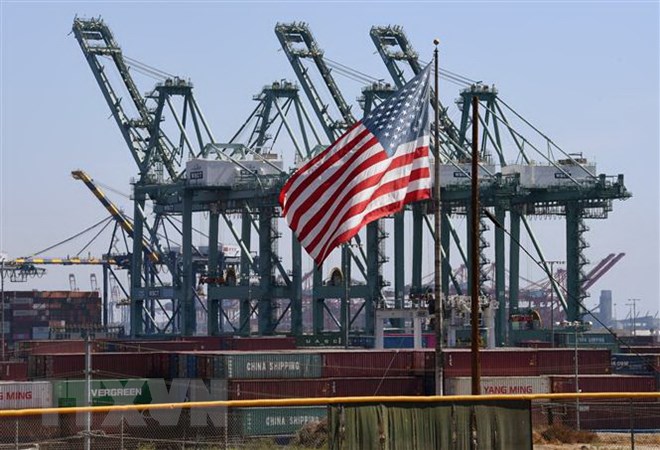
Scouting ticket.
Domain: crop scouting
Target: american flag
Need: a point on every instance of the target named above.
(377, 166)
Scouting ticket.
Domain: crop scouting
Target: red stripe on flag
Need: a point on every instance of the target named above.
(343, 196)
(360, 207)
(318, 194)
(386, 210)
(286, 199)
(314, 160)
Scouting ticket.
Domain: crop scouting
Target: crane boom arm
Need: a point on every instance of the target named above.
(291, 36)
(63, 261)
(123, 221)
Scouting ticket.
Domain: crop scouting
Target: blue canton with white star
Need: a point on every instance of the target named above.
(404, 116)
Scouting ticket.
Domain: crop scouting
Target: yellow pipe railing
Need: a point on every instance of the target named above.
(320, 401)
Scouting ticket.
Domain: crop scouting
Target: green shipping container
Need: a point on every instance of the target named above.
(596, 340)
(283, 421)
(274, 365)
(103, 392)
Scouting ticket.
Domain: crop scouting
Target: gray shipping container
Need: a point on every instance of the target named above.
(499, 385)
(22, 395)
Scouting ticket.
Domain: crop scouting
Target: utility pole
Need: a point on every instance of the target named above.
(474, 254)
(88, 387)
(346, 312)
(2, 305)
(577, 376)
(633, 304)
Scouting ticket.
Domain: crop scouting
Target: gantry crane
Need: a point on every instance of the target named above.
(301, 47)
(164, 181)
(581, 196)
(160, 158)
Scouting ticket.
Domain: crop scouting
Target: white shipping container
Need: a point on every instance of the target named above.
(499, 385)
(261, 167)
(543, 176)
(22, 395)
(207, 172)
(459, 174)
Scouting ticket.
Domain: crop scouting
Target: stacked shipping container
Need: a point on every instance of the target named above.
(33, 314)
(332, 372)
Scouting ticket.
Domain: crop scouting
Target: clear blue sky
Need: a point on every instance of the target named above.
(585, 73)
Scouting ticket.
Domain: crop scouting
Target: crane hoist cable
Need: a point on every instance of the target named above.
(140, 69)
(457, 76)
(111, 189)
(363, 76)
(69, 239)
(93, 238)
(347, 74)
(146, 67)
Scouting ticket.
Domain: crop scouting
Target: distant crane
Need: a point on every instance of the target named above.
(72, 283)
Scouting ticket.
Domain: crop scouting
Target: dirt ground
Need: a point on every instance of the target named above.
(609, 441)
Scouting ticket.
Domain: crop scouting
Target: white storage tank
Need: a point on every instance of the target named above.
(543, 176)
(499, 385)
(24, 394)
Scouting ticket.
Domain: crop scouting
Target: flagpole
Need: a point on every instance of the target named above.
(438, 246)
(474, 253)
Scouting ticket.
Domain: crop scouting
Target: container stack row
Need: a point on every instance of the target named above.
(134, 368)
(42, 314)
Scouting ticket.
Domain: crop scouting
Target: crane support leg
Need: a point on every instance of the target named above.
(373, 275)
(575, 260)
(417, 249)
(137, 304)
(514, 261)
(296, 289)
(187, 276)
(245, 310)
(445, 241)
(213, 301)
(500, 319)
(318, 315)
(399, 264)
(266, 323)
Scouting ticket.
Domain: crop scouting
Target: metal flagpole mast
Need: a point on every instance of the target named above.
(438, 249)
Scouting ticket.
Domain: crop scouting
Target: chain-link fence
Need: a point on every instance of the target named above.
(604, 421)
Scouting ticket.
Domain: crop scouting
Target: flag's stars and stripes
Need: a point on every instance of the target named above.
(373, 170)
